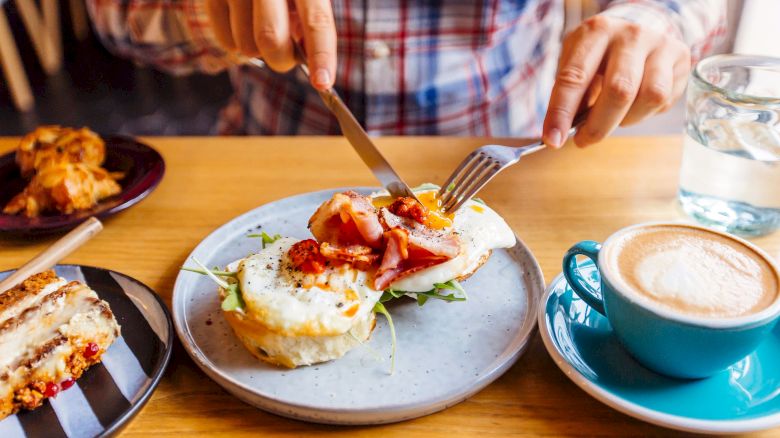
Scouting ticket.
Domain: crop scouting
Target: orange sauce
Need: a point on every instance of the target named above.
(478, 208)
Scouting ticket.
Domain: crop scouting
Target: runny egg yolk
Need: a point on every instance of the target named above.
(436, 219)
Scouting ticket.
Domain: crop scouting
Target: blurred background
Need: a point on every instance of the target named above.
(79, 83)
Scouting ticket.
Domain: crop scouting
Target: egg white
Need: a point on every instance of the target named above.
(289, 302)
(480, 230)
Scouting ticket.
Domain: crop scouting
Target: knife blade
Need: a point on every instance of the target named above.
(359, 138)
(364, 147)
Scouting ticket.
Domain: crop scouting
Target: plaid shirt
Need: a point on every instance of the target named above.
(424, 67)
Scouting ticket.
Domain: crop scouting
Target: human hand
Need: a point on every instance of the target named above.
(625, 71)
(266, 28)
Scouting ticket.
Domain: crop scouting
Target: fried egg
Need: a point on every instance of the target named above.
(292, 318)
(479, 228)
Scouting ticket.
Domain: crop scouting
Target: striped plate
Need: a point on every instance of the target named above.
(110, 393)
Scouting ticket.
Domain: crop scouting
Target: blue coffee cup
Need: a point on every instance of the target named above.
(668, 342)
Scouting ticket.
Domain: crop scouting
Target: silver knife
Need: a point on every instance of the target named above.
(357, 136)
(364, 147)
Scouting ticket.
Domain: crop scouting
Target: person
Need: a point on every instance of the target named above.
(427, 67)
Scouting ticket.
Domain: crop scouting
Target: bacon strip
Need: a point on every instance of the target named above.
(361, 256)
(350, 230)
(347, 219)
(437, 242)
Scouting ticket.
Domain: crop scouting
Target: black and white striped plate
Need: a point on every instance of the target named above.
(110, 393)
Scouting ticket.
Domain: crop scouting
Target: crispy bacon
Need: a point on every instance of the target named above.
(409, 208)
(360, 256)
(350, 230)
(305, 255)
(402, 259)
(347, 219)
(437, 242)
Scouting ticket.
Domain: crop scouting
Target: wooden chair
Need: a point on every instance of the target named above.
(14, 73)
(43, 28)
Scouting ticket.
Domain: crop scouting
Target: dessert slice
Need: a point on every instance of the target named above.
(51, 330)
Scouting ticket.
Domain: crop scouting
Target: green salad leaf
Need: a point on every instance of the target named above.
(214, 271)
(439, 292)
(233, 300)
(267, 239)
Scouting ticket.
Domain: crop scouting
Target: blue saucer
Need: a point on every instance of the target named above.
(745, 397)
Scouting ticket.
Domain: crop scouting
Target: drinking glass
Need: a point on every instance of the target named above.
(730, 174)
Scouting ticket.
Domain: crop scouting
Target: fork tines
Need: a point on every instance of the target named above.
(471, 175)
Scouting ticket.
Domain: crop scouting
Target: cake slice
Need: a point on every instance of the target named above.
(51, 330)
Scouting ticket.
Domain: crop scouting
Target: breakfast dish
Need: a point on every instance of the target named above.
(51, 331)
(52, 146)
(741, 399)
(447, 351)
(63, 165)
(49, 188)
(301, 302)
(65, 357)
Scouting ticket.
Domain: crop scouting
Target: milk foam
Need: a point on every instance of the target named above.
(694, 272)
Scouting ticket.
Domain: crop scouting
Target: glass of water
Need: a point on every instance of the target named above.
(730, 175)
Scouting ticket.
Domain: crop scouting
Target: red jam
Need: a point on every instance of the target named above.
(51, 389)
(67, 383)
(91, 350)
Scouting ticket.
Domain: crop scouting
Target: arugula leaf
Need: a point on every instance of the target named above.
(233, 300)
(459, 293)
(214, 271)
(206, 271)
(380, 308)
(452, 285)
(434, 294)
(267, 239)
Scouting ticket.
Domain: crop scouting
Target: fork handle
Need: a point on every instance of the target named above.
(578, 120)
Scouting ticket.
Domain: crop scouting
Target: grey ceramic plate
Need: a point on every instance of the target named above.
(446, 351)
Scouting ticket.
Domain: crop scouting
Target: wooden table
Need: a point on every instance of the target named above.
(552, 199)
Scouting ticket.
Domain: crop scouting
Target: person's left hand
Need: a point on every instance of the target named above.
(626, 71)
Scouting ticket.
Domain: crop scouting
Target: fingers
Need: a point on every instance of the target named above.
(583, 52)
(656, 89)
(272, 33)
(219, 16)
(319, 36)
(241, 27)
(682, 69)
(625, 59)
(665, 77)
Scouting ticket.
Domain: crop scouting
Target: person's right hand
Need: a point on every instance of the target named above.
(266, 28)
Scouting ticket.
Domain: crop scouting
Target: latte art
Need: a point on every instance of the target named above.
(693, 271)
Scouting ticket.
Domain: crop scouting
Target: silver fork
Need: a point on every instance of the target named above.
(484, 163)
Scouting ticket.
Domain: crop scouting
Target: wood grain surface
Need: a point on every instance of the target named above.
(551, 199)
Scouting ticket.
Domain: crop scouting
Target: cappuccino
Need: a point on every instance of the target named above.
(691, 271)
